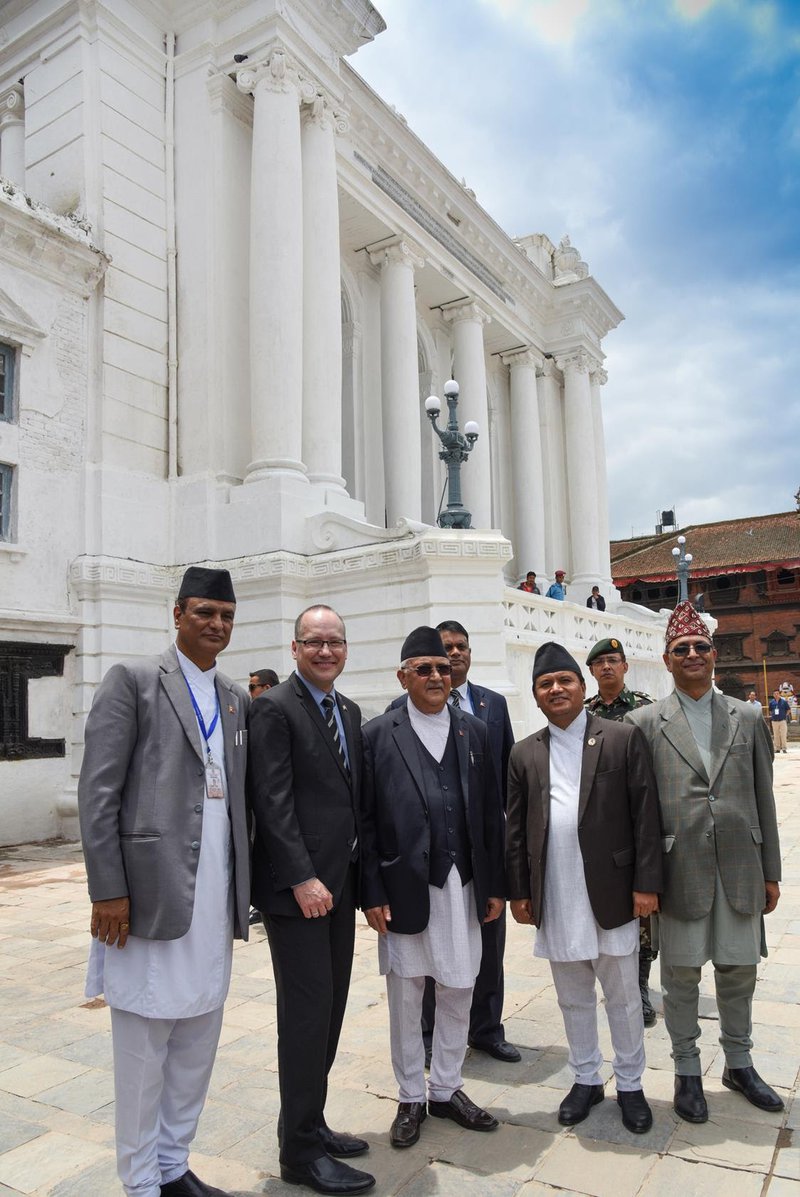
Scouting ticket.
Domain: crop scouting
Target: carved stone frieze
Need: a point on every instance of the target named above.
(522, 357)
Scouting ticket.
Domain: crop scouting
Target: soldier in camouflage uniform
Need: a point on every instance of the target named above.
(608, 666)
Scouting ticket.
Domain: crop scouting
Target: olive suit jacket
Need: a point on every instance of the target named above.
(141, 794)
(618, 825)
(725, 820)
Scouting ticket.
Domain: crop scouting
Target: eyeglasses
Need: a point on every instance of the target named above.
(427, 670)
(683, 650)
(315, 645)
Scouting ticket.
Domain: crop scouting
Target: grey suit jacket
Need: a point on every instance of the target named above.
(142, 789)
(726, 820)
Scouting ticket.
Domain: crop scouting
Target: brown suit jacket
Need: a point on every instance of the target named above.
(618, 822)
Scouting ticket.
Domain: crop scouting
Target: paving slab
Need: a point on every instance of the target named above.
(56, 1094)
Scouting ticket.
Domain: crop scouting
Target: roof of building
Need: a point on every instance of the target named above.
(728, 546)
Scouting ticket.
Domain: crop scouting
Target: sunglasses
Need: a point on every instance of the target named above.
(427, 670)
(683, 650)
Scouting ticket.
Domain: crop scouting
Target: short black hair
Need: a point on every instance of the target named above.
(266, 677)
(452, 625)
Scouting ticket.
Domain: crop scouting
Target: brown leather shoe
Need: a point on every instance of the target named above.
(464, 1112)
(405, 1128)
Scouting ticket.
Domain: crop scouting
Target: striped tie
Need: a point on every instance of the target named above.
(329, 703)
(455, 699)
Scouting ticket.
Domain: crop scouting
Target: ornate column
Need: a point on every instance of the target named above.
(581, 471)
(400, 380)
(12, 135)
(276, 269)
(554, 471)
(322, 306)
(599, 378)
(469, 368)
(527, 483)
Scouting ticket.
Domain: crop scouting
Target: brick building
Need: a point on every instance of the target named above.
(748, 572)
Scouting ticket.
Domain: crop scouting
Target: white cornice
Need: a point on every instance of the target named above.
(41, 242)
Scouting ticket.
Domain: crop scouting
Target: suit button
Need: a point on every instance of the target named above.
(198, 808)
(195, 845)
(710, 797)
(200, 772)
(424, 855)
(452, 853)
(444, 787)
(449, 807)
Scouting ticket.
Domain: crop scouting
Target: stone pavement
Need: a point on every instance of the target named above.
(56, 1091)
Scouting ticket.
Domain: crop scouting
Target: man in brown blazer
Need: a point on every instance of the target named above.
(712, 758)
(583, 863)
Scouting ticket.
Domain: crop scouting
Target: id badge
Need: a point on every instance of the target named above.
(214, 780)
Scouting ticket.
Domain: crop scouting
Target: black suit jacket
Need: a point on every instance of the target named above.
(601, 603)
(302, 799)
(619, 829)
(395, 827)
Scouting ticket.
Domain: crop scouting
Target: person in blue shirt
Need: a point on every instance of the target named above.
(779, 720)
(558, 590)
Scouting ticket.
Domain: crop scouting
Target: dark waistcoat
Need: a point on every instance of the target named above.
(448, 820)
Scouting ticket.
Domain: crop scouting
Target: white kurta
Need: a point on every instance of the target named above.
(182, 978)
(569, 930)
(449, 949)
(723, 935)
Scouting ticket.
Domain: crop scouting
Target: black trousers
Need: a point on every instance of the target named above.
(486, 1012)
(312, 960)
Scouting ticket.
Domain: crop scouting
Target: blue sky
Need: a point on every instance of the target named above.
(664, 137)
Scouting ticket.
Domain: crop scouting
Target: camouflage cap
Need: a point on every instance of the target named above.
(605, 646)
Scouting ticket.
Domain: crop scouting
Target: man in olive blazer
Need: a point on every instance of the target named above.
(713, 764)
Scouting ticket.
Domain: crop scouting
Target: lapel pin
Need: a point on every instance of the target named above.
(231, 710)
(591, 741)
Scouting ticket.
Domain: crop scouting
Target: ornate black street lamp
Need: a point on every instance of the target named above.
(455, 449)
(682, 562)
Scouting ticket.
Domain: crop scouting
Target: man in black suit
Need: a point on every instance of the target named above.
(304, 776)
(486, 1031)
(432, 874)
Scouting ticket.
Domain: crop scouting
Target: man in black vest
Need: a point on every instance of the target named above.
(432, 873)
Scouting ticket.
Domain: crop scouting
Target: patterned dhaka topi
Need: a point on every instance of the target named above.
(684, 621)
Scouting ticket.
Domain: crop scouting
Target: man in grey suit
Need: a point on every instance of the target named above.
(713, 764)
(164, 830)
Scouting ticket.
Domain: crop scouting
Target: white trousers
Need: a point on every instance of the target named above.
(405, 1033)
(162, 1069)
(577, 996)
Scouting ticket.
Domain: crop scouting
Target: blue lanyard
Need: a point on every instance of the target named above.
(209, 733)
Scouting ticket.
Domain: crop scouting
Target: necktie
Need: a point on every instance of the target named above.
(329, 702)
(455, 699)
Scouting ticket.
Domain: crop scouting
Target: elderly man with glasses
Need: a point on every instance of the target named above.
(712, 759)
(432, 873)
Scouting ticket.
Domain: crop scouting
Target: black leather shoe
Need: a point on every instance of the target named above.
(578, 1102)
(500, 1050)
(747, 1082)
(339, 1143)
(327, 1175)
(464, 1112)
(190, 1185)
(405, 1128)
(689, 1102)
(637, 1116)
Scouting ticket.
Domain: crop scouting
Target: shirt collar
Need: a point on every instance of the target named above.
(192, 672)
(315, 691)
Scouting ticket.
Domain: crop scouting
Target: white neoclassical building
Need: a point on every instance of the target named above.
(230, 275)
